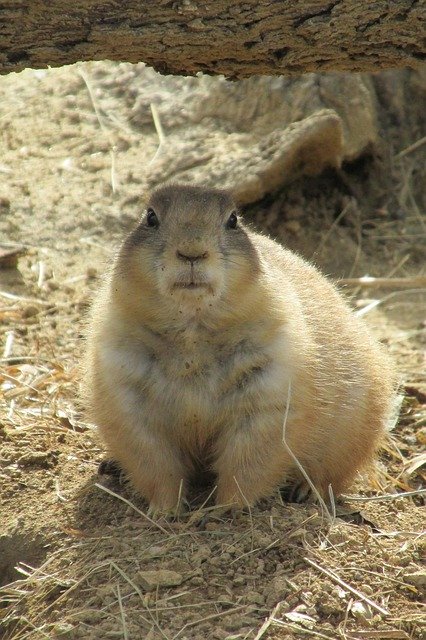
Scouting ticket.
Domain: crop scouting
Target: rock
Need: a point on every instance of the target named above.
(292, 226)
(91, 273)
(361, 610)
(4, 203)
(417, 578)
(30, 311)
(202, 554)
(9, 256)
(255, 598)
(151, 580)
(277, 590)
(252, 169)
(256, 135)
(233, 622)
(41, 459)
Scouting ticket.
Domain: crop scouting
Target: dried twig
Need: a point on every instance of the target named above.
(130, 504)
(384, 497)
(134, 586)
(392, 283)
(347, 586)
(8, 347)
(392, 634)
(265, 626)
(296, 460)
(247, 503)
(303, 630)
(157, 123)
(411, 148)
(389, 296)
(41, 274)
(103, 127)
(12, 296)
(326, 236)
(122, 615)
(212, 616)
(159, 130)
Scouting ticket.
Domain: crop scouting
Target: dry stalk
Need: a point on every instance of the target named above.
(140, 594)
(393, 634)
(411, 147)
(212, 616)
(8, 347)
(384, 497)
(392, 283)
(103, 127)
(375, 303)
(340, 217)
(265, 626)
(302, 630)
(196, 514)
(12, 296)
(122, 615)
(398, 266)
(159, 130)
(130, 504)
(296, 460)
(347, 586)
(41, 274)
(249, 510)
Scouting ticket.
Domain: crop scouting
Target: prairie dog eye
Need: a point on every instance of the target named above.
(232, 221)
(151, 219)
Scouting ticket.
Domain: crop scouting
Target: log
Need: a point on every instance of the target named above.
(238, 38)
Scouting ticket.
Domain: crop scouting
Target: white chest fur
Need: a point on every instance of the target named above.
(194, 378)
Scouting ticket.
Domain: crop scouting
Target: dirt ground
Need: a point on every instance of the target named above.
(75, 548)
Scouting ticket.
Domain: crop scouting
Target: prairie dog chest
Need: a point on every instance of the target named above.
(188, 354)
(198, 375)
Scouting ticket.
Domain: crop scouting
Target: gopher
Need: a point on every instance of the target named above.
(205, 336)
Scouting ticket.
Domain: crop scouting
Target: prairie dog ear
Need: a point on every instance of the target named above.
(227, 203)
(160, 201)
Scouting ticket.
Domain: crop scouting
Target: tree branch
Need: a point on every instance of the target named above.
(238, 38)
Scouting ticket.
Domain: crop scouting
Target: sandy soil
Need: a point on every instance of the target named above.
(73, 555)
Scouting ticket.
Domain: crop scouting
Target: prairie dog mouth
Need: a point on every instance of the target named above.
(191, 285)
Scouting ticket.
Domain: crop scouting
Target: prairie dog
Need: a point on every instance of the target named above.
(202, 335)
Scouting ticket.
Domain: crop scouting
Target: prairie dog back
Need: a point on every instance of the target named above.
(204, 336)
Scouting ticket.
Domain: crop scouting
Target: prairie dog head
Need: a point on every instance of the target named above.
(190, 250)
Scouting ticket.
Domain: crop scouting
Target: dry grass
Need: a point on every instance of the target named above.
(38, 395)
(38, 398)
(279, 571)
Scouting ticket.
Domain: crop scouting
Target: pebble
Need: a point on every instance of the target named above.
(277, 590)
(36, 458)
(417, 578)
(233, 623)
(361, 611)
(203, 553)
(255, 598)
(292, 226)
(150, 580)
(29, 311)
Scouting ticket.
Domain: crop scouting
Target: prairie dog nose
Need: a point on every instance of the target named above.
(187, 258)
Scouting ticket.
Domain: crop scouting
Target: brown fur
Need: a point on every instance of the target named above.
(178, 378)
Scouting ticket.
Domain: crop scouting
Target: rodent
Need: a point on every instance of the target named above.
(201, 333)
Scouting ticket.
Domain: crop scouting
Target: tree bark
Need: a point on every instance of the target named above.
(237, 38)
